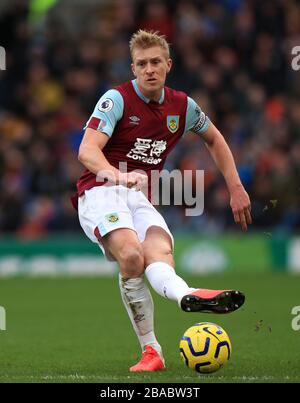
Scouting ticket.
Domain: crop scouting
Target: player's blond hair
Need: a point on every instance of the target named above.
(146, 39)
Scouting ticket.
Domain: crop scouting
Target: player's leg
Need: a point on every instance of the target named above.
(110, 225)
(157, 243)
(126, 249)
(159, 264)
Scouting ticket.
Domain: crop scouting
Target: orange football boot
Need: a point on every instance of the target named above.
(151, 361)
(212, 301)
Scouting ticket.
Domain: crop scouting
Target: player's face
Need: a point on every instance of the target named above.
(150, 67)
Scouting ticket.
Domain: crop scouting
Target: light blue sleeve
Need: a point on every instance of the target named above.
(107, 112)
(196, 120)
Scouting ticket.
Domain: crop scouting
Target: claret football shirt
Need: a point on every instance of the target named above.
(141, 132)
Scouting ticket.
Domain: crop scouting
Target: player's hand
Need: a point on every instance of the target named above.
(133, 179)
(241, 206)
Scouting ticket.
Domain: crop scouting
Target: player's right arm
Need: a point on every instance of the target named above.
(91, 155)
(99, 129)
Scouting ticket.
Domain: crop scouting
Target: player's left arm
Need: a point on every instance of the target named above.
(198, 123)
(220, 152)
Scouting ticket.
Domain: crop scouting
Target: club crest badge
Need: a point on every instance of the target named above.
(112, 217)
(173, 123)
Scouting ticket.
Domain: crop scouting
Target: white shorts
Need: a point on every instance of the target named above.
(103, 209)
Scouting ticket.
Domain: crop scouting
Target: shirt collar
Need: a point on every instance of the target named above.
(145, 99)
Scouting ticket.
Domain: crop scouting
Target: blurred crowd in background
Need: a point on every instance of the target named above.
(232, 56)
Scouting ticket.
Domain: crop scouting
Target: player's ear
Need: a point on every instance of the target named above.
(169, 64)
(133, 69)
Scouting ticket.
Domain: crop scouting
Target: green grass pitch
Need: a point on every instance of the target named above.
(76, 330)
